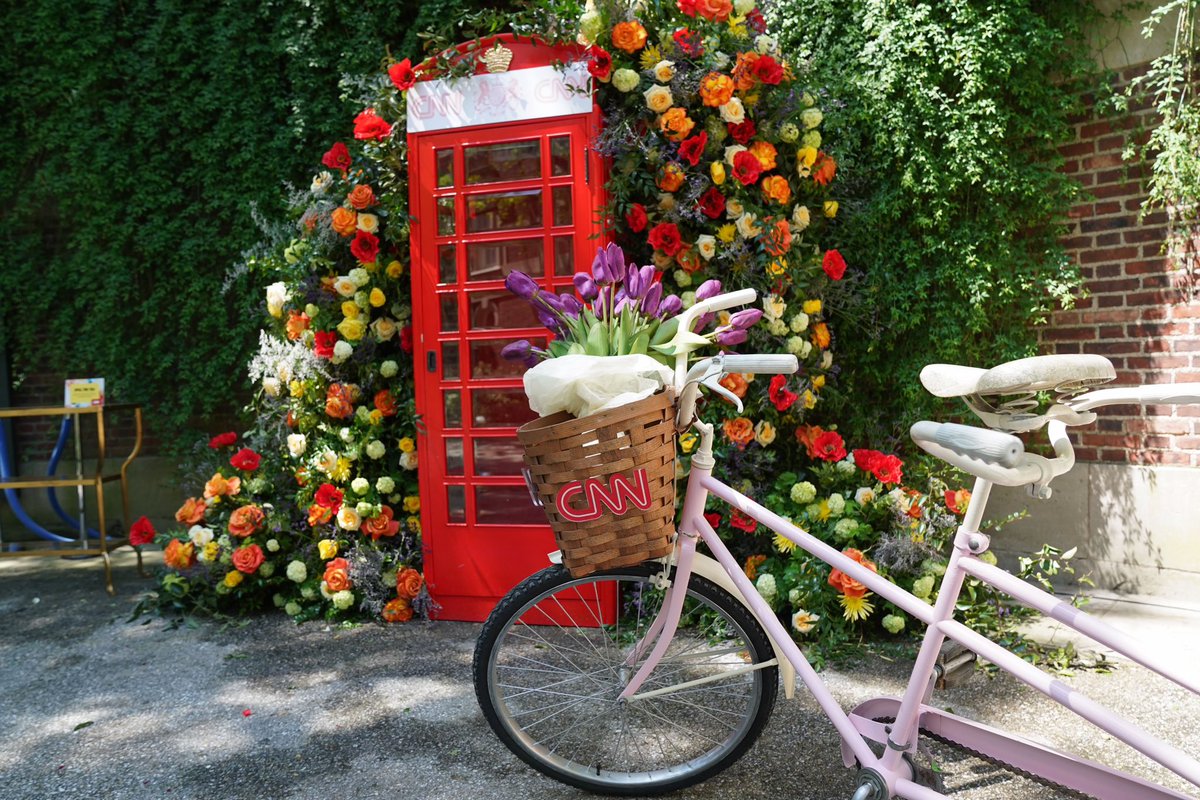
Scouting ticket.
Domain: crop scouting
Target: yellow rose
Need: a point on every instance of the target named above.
(395, 269)
(378, 298)
(717, 170)
(831, 208)
(350, 309)
(764, 433)
(352, 329)
(806, 156)
(726, 233)
(233, 578)
(407, 445)
(412, 504)
(211, 551)
(688, 442)
(777, 267)
(774, 306)
(368, 223)
(812, 307)
(296, 389)
(664, 71)
(375, 417)
(810, 400)
(327, 549)
(818, 383)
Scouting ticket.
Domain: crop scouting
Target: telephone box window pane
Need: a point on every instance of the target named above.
(504, 211)
(564, 255)
(447, 264)
(486, 361)
(498, 457)
(445, 168)
(445, 216)
(454, 456)
(502, 309)
(450, 361)
(456, 499)
(452, 401)
(506, 161)
(560, 156)
(492, 261)
(506, 505)
(501, 408)
(449, 312)
(562, 204)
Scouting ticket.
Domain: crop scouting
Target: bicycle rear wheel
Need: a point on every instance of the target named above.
(551, 661)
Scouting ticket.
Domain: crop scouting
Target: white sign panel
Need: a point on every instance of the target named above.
(535, 93)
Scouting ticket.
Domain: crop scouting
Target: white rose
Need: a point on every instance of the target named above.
(342, 350)
(409, 460)
(385, 485)
(277, 295)
(360, 277)
(348, 519)
(826, 360)
(320, 182)
(271, 386)
(664, 71)
(806, 350)
(200, 535)
(658, 98)
(864, 495)
(801, 216)
(747, 226)
(765, 44)
(360, 485)
(625, 80)
(346, 435)
(376, 449)
(731, 151)
(327, 462)
(297, 443)
(368, 223)
(774, 306)
(389, 368)
(734, 208)
(707, 246)
(733, 112)
(344, 286)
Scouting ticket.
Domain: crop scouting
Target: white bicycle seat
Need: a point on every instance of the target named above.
(1063, 373)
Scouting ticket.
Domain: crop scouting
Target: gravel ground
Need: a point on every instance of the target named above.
(92, 706)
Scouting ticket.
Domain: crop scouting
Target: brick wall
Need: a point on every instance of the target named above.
(1142, 311)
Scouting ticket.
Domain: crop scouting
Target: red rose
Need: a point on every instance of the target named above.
(323, 342)
(756, 21)
(768, 70)
(665, 237)
(222, 440)
(834, 265)
(337, 157)
(866, 459)
(365, 247)
(245, 459)
(329, 496)
(712, 203)
(369, 125)
(746, 167)
(829, 446)
(689, 42)
(636, 218)
(384, 403)
(688, 7)
(713, 519)
(691, 149)
(600, 63)
(780, 395)
(248, 559)
(402, 75)
(888, 469)
(743, 521)
(141, 532)
(743, 131)
(406, 334)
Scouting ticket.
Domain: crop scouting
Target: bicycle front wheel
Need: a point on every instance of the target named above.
(555, 654)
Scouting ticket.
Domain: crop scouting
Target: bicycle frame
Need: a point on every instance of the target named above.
(911, 713)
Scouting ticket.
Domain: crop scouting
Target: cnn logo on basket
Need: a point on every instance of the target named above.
(618, 496)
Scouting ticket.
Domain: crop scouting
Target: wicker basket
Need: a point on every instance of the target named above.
(607, 482)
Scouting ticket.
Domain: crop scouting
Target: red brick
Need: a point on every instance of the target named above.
(1191, 310)
(1145, 234)
(1103, 160)
(1108, 240)
(1145, 266)
(1105, 348)
(1118, 285)
(1084, 148)
(1115, 315)
(1069, 334)
(1108, 254)
(1110, 300)
(1106, 224)
(1077, 242)
(1107, 143)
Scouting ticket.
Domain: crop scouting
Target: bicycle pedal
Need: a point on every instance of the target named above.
(954, 666)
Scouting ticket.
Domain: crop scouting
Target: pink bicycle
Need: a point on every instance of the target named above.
(649, 679)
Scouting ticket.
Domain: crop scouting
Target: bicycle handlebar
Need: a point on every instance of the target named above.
(992, 455)
(712, 368)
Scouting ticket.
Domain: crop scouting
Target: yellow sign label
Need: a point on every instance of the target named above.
(84, 392)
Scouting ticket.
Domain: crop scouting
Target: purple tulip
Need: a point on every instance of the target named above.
(570, 304)
(551, 321)
(520, 350)
(585, 286)
(609, 265)
(520, 284)
(670, 306)
(549, 302)
(702, 322)
(746, 318)
(650, 302)
(731, 337)
(710, 288)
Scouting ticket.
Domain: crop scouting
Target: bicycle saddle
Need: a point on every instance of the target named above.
(1065, 374)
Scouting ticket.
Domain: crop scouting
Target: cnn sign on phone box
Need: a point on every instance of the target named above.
(534, 93)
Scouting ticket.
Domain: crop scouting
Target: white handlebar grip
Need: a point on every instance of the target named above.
(761, 363)
(991, 447)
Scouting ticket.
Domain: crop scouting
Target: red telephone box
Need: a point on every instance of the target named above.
(502, 177)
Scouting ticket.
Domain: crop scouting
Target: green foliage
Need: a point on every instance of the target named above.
(140, 138)
(946, 136)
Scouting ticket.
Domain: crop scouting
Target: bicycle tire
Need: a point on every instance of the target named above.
(590, 740)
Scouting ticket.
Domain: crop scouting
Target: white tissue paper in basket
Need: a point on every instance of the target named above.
(582, 385)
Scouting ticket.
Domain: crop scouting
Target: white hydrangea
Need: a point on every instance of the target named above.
(297, 572)
(342, 350)
(837, 505)
(376, 449)
(360, 485)
(845, 466)
(389, 368)
(385, 485)
(625, 80)
(292, 609)
(359, 277)
(766, 587)
(803, 492)
(799, 323)
(273, 545)
(343, 599)
(365, 510)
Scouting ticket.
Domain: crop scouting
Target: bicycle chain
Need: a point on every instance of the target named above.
(1072, 793)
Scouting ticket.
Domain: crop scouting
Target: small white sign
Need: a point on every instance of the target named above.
(535, 93)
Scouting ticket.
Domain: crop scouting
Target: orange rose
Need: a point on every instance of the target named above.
(318, 515)
(248, 559)
(397, 610)
(824, 169)
(220, 486)
(765, 153)
(344, 221)
(843, 582)
(716, 10)
(740, 431)
(775, 189)
(179, 555)
(807, 435)
(361, 197)
(385, 403)
(338, 401)
(689, 259)
(245, 521)
(778, 238)
(409, 583)
(752, 564)
(191, 512)
(743, 71)
(381, 524)
(298, 322)
(675, 124)
(670, 177)
(735, 383)
(716, 89)
(820, 335)
(337, 575)
(629, 36)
